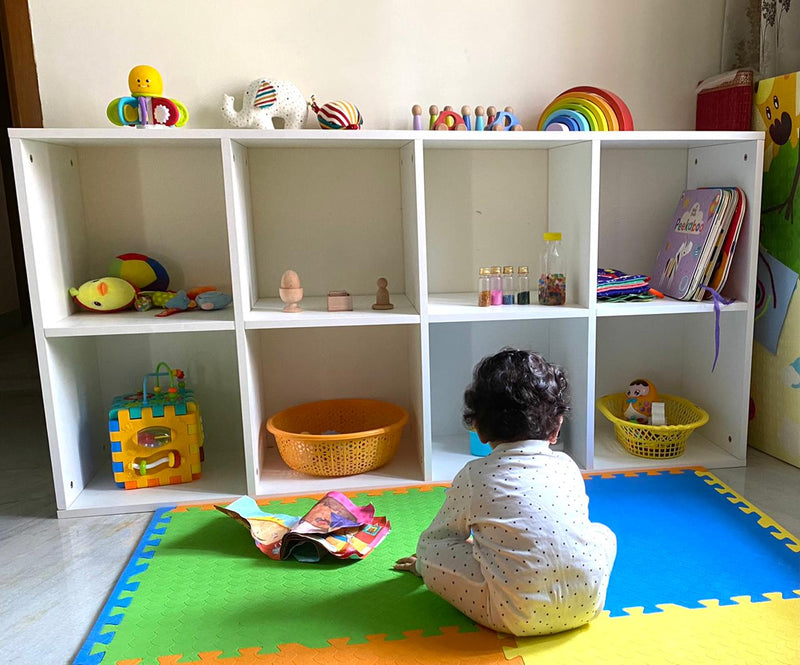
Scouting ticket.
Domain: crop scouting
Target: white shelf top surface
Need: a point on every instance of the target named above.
(219, 483)
(119, 136)
(268, 313)
(664, 306)
(277, 479)
(609, 454)
(457, 307)
(83, 324)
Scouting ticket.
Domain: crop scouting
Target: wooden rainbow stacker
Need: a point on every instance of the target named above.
(156, 437)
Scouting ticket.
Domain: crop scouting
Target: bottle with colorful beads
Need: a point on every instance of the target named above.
(484, 294)
(496, 285)
(508, 285)
(552, 273)
(523, 286)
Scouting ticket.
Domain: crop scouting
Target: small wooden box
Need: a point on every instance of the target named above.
(340, 301)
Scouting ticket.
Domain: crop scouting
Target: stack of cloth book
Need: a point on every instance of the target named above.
(617, 286)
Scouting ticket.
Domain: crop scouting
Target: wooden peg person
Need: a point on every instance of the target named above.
(466, 113)
(382, 295)
(434, 111)
(480, 121)
(491, 112)
(416, 111)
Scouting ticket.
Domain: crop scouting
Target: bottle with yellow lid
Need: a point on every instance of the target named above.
(552, 272)
(484, 293)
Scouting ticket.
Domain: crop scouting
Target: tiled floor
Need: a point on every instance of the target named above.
(55, 574)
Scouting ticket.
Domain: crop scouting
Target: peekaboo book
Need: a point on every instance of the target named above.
(689, 242)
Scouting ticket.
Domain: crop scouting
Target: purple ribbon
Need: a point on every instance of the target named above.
(718, 299)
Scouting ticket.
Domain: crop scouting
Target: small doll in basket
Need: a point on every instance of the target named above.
(639, 400)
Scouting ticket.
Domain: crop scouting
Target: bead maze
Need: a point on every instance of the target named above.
(156, 437)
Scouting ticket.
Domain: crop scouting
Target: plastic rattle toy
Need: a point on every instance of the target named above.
(146, 106)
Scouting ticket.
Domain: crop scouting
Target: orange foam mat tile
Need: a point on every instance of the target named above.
(484, 647)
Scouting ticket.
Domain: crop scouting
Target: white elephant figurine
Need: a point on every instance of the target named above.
(264, 100)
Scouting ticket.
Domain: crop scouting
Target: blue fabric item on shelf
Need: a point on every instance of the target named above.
(616, 285)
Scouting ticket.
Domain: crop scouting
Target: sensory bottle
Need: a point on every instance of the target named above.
(552, 272)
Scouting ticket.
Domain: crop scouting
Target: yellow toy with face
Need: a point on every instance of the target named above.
(146, 104)
(145, 81)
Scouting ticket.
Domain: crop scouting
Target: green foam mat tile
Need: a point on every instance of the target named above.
(197, 583)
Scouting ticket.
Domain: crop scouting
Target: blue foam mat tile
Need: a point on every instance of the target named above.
(91, 653)
(706, 549)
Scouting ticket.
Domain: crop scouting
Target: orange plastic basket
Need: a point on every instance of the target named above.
(654, 441)
(366, 434)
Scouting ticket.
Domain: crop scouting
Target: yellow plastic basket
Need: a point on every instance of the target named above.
(654, 441)
(367, 434)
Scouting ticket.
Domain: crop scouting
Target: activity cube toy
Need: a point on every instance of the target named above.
(156, 437)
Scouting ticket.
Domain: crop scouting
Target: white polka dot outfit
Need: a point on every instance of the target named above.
(536, 565)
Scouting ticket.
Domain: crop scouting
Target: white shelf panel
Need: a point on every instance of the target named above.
(671, 140)
(277, 479)
(101, 496)
(268, 313)
(609, 455)
(460, 307)
(85, 324)
(121, 137)
(664, 306)
(450, 454)
(64, 191)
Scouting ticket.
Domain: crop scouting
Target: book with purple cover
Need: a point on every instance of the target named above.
(690, 241)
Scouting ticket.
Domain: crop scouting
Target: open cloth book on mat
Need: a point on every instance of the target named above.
(334, 525)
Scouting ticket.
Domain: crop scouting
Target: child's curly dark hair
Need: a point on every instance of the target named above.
(515, 395)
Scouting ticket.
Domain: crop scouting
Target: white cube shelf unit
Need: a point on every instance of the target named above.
(235, 208)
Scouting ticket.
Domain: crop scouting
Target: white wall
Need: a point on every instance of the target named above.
(385, 56)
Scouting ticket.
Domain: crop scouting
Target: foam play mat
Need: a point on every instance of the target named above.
(702, 576)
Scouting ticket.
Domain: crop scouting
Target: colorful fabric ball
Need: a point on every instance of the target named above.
(339, 115)
(144, 272)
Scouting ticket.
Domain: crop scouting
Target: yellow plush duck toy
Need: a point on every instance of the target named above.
(107, 294)
(639, 403)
